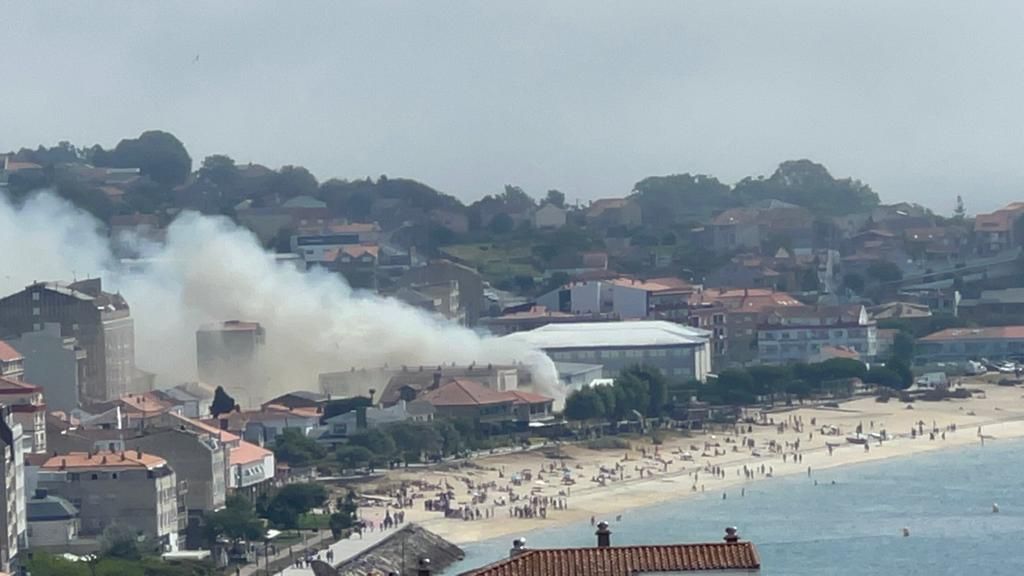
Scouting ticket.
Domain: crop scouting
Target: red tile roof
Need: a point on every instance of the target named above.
(465, 392)
(9, 386)
(8, 353)
(246, 453)
(521, 397)
(105, 460)
(626, 560)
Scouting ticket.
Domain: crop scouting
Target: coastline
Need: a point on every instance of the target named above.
(999, 414)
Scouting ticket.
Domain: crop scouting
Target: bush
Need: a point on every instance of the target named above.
(608, 443)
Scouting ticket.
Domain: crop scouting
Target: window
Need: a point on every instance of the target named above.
(35, 311)
(95, 476)
(114, 475)
(35, 296)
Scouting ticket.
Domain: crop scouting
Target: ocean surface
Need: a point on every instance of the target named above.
(850, 527)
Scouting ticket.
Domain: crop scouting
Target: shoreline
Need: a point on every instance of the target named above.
(999, 414)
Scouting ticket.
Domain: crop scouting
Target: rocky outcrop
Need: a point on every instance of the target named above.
(398, 554)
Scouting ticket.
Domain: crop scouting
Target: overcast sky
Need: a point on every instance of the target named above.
(922, 100)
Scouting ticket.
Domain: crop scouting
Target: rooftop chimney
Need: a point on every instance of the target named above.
(423, 568)
(731, 536)
(604, 535)
(437, 380)
(138, 453)
(518, 547)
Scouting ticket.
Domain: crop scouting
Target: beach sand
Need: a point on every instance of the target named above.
(999, 413)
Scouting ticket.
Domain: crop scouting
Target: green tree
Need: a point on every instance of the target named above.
(237, 522)
(555, 198)
(346, 516)
(884, 377)
(353, 457)
(380, 443)
(959, 213)
(222, 403)
(903, 347)
(584, 404)
(156, 154)
(902, 369)
(219, 169)
(810, 185)
(884, 271)
(679, 198)
(294, 500)
(292, 181)
(501, 224)
(414, 439)
(654, 384)
(297, 449)
(43, 564)
(120, 542)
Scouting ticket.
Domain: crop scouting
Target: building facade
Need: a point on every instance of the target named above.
(227, 355)
(132, 489)
(100, 321)
(799, 334)
(959, 344)
(13, 520)
(55, 363)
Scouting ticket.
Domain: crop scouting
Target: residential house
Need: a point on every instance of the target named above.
(319, 243)
(525, 317)
(12, 363)
(228, 355)
(907, 311)
(269, 223)
(190, 399)
(13, 519)
(262, 426)
(744, 310)
(471, 288)
(728, 558)
(129, 488)
(960, 344)
(53, 522)
(341, 426)
(549, 216)
(300, 399)
(614, 212)
(935, 243)
(798, 334)
(100, 321)
(356, 263)
(441, 298)
(410, 384)
(468, 399)
(1000, 230)
(770, 221)
(250, 468)
(680, 352)
(27, 409)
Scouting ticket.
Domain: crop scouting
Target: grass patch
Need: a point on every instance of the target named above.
(314, 521)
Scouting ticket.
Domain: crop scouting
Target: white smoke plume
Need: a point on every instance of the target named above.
(210, 271)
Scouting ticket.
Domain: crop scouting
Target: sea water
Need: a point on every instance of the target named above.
(854, 526)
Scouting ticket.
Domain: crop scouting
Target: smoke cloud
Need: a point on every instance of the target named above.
(210, 270)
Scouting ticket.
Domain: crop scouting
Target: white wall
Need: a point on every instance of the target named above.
(629, 302)
(586, 298)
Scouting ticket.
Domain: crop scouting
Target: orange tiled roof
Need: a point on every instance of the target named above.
(247, 452)
(986, 333)
(626, 560)
(142, 403)
(464, 392)
(521, 397)
(8, 386)
(222, 435)
(8, 353)
(105, 460)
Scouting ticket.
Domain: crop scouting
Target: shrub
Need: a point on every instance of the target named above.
(608, 443)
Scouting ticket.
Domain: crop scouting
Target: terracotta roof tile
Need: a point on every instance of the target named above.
(464, 392)
(522, 397)
(626, 560)
(9, 386)
(247, 452)
(8, 353)
(105, 460)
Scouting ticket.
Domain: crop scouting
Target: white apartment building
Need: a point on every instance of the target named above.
(798, 334)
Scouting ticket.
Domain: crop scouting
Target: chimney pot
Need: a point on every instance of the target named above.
(731, 536)
(518, 547)
(604, 535)
(424, 567)
(138, 453)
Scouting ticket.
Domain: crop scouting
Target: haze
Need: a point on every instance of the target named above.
(919, 100)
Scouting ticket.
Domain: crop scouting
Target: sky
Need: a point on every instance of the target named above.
(919, 99)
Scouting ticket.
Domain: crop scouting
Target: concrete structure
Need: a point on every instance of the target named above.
(576, 376)
(52, 522)
(100, 321)
(131, 489)
(958, 344)
(441, 298)
(55, 363)
(680, 352)
(13, 519)
(27, 409)
(799, 334)
(549, 216)
(250, 467)
(471, 288)
(228, 354)
(623, 297)
(994, 307)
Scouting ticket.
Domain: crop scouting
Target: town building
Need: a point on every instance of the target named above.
(12, 363)
(250, 467)
(13, 518)
(1000, 230)
(798, 334)
(744, 310)
(680, 352)
(228, 355)
(959, 344)
(53, 522)
(470, 285)
(471, 400)
(128, 488)
(612, 212)
(549, 216)
(994, 307)
(55, 363)
(409, 383)
(100, 321)
(319, 244)
(576, 375)
(441, 298)
(622, 297)
(728, 558)
(356, 263)
(27, 409)
(527, 317)
(341, 426)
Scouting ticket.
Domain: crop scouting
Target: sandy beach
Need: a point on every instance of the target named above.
(574, 484)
